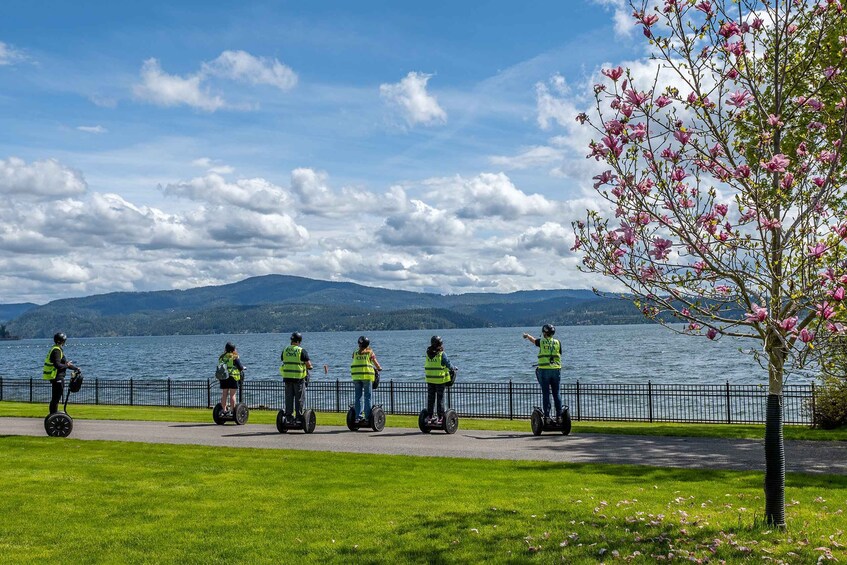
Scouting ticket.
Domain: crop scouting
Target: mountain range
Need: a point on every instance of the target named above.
(281, 303)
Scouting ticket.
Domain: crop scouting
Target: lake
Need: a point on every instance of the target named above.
(591, 354)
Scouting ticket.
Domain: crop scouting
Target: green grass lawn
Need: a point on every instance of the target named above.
(74, 501)
(736, 431)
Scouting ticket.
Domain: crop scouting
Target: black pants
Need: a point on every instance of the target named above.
(434, 392)
(295, 396)
(58, 389)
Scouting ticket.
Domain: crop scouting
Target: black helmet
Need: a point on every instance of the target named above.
(548, 329)
(60, 338)
(364, 342)
(229, 347)
(296, 337)
(436, 341)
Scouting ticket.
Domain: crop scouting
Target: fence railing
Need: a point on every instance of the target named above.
(724, 403)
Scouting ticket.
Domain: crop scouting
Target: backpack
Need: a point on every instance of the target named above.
(222, 372)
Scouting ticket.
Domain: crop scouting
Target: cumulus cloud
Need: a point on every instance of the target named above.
(244, 67)
(255, 194)
(40, 179)
(162, 89)
(423, 226)
(315, 197)
(550, 236)
(553, 104)
(489, 195)
(413, 101)
(92, 129)
(620, 16)
(9, 55)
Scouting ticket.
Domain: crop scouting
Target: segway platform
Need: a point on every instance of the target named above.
(449, 424)
(541, 424)
(239, 414)
(376, 422)
(61, 424)
(306, 422)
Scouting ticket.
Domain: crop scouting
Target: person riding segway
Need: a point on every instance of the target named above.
(230, 373)
(548, 375)
(440, 373)
(295, 374)
(59, 424)
(364, 369)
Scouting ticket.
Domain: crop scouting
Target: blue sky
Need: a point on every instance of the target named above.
(167, 145)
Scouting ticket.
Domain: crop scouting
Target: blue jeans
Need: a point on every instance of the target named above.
(549, 380)
(362, 386)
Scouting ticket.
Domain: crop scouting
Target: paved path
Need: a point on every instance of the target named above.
(698, 453)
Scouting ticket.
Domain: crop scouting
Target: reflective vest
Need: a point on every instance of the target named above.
(292, 367)
(50, 370)
(361, 368)
(436, 373)
(230, 365)
(549, 353)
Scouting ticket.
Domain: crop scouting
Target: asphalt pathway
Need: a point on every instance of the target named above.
(695, 453)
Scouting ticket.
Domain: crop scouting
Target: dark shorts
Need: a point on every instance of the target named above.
(229, 383)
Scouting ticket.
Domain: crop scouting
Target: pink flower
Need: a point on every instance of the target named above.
(835, 328)
(817, 251)
(699, 267)
(758, 314)
(732, 74)
(806, 336)
(827, 156)
(737, 48)
(814, 104)
(777, 163)
(694, 326)
(706, 7)
(678, 174)
(788, 323)
(728, 29)
(825, 311)
(711, 333)
(769, 224)
(682, 136)
(819, 181)
(742, 172)
(757, 23)
(723, 289)
(577, 244)
(837, 294)
(740, 98)
(613, 74)
(636, 98)
(662, 101)
(802, 151)
(661, 248)
(721, 209)
(773, 120)
(787, 181)
(613, 144)
(605, 178)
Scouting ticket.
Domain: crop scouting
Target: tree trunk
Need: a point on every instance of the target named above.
(775, 447)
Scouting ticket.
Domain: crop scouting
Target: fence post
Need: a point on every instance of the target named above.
(650, 400)
(449, 397)
(1, 388)
(241, 390)
(337, 395)
(728, 405)
(814, 413)
(30, 390)
(169, 391)
(96, 391)
(578, 403)
(511, 401)
(208, 394)
(391, 396)
(130, 392)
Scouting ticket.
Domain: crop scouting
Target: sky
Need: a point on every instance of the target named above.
(429, 147)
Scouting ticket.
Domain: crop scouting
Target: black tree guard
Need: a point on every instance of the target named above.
(774, 464)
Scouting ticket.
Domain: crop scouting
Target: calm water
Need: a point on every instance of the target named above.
(610, 354)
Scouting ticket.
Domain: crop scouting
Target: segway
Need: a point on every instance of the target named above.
(449, 424)
(376, 422)
(239, 414)
(61, 424)
(541, 424)
(306, 422)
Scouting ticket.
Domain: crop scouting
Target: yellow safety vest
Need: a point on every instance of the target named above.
(292, 367)
(549, 353)
(361, 368)
(229, 358)
(436, 373)
(50, 370)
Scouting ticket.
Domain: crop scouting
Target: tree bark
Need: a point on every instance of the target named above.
(775, 446)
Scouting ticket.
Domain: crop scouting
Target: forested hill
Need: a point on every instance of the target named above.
(12, 311)
(279, 303)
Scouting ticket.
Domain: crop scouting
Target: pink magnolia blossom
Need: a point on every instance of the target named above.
(802, 151)
(699, 267)
(819, 181)
(841, 230)
(662, 101)
(758, 314)
(814, 104)
(791, 29)
(827, 156)
(613, 144)
(739, 99)
(694, 326)
(706, 7)
(613, 127)
(732, 74)
(825, 310)
(670, 155)
(788, 323)
(806, 336)
(638, 132)
(757, 23)
(723, 289)
(728, 29)
(769, 224)
(777, 163)
(577, 244)
(787, 181)
(835, 328)
(747, 215)
(831, 72)
(837, 294)
(817, 250)
(721, 209)
(775, 121)
(613, 74)
(742, 172)
(738, 48)
(682, 136)
(636, 98)
(661, 248)
(678, 174)
(604, 178)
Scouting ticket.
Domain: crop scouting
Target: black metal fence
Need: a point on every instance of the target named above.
(725, 403)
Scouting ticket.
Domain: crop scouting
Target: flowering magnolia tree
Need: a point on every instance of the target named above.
(724, 183)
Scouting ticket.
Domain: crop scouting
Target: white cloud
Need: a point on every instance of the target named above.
(244, 67)
(314, 196)
(162, 89)
(530, 157)
(92, 129)
(255, 194)
(40, 179)
(9, 55)
(549, 237)
(423, 226)
(416, 105)
(553, 104)
(489, 195)
(621, 16)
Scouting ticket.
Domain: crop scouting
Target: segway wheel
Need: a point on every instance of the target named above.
(351, 420)
(241, 413)
(216, 414)
(58, 425)
(280, 422)
(377, 419)
(422, 423)
(309, 421)
(566, 421)
(537, 422)
(451, 422)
